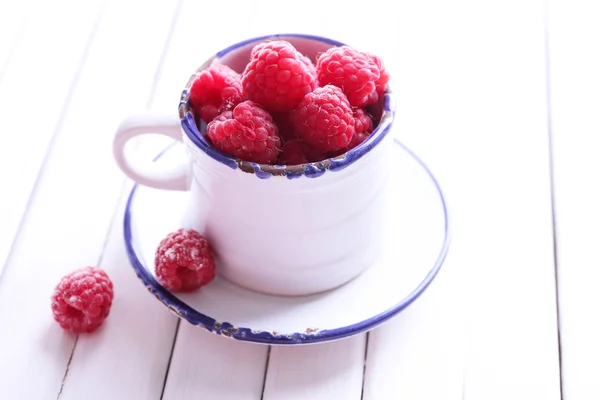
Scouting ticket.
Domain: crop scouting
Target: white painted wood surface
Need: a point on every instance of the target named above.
(35, 89)
(98, 369)
(472, 102)
(206, 364)
(574, 50)
(318, 371)
(13, 22)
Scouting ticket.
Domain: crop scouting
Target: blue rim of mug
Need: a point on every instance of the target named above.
(196, 318)
(264, 171)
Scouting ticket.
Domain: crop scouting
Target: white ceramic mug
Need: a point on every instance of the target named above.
(288, 230)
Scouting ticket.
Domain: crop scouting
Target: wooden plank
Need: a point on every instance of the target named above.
(470, 84)
(129, 356)
(35, 87)
(574, 56)
(420, 353)
(204, 363)
(70, 215)
(321, 371)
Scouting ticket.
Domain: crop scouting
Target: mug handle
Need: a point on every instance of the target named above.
(146, 172)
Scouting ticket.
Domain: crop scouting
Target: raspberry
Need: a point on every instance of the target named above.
(324, 119)
(351, 70)
(356, 140)
(82, 299)
(277, 76)
(296, 152)
(215, 90)
(362, 121)
(248, 133)
(384, 76)
(184, 261)
(285, 126)
(311, 67)
(363, 126)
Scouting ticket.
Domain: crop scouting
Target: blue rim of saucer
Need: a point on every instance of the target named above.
(184, 311)
(265, 171)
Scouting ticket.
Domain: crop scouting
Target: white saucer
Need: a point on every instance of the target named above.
(417, 240)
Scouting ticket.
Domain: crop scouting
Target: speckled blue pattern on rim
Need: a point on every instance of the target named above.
(196, 318)
(264, 171)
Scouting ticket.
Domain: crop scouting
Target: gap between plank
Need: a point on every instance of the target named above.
(162, 393)
(64, 379)
(362, 389)
(546, 23)
(264, 383)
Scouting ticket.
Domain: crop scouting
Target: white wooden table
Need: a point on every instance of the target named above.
(501, 99)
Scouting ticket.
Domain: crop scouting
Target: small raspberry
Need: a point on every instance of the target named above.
(277, 76)
(296, 152)
(82, 299)
(184, 261)
(351, 70)
(362, 121)
(248, 133)
(384, 75)
(285, 127)
(215, 90)
(356, 140)
(324, 119)
(363, 125)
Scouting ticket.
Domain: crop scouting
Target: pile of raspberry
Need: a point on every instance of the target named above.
(285, 110)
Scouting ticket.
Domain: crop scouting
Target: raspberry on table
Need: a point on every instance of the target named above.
(324, 119)
(296, 152)
(184, 261)
(248, 133)
(216, 89)
(277, 76)
(82, 300)
(356, 73)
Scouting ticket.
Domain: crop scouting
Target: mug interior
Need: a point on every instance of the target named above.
(236, 57)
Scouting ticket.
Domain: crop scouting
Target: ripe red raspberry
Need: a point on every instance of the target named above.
(353, 71)
(362, 121)
(324, 119)
(311, 67)
(356, 140)
(277, 76)
(82, 299)
(363, 126)
(384, 75)
(184, 261)
(215, 90)
(296, 152)
(247, 133)
(285, 127)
